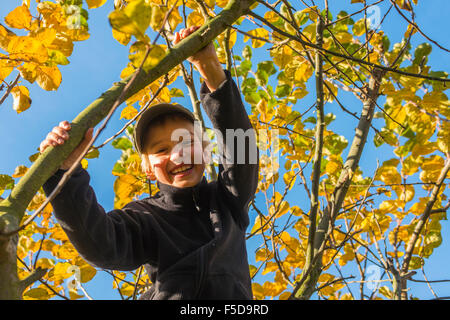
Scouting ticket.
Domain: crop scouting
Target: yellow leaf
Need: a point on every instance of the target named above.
(127, 289)
(128, 113)
(4, 71)
(123, 38)
(258, 291)
(36, 294)
(284, 296)
(74, 295)
(28, 49)
(174, 19)
(61, 271)
(87, 273)
(133, 19)
(271, 16)
(344, 37)
(303, 72)
(63, 44)
(67, 251)
(58, 234)
(289, 178)
(415, 263)
(48, 78)
(28, 71)
(259, 225)
(19, 171)
(45, 35)
(431, 168)
(137, 55)
(127, 71)
(45, 263)
(21, 97)
(92, 4)
(84, 163)
(260, 33)
(5, 37)
(125, 187)
(195, 19)
(281, 56)
(19, 18)
(221, 3)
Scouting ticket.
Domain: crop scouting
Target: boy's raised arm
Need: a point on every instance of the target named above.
(221, 99)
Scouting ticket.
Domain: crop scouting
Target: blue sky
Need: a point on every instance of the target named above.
(96, 63)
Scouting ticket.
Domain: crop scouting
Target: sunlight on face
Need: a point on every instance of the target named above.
(174, 153)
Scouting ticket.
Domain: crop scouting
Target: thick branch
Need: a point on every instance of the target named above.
(424, 218)
(320, 126)
(341, 188)
(37, 274)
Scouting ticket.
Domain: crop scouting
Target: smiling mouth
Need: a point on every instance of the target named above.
(182, 169)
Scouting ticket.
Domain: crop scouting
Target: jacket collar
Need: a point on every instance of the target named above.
(182, 199)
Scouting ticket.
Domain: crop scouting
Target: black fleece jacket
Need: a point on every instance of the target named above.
(190, 240)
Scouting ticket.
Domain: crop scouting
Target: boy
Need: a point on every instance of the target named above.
(191, 235)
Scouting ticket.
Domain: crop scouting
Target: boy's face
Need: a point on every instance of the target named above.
(174, 156)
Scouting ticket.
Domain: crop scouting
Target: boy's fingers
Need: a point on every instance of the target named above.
(65, 125)
(183, 33)
(61, 133)
(54, 139)
(194, 28)
(43, 146)
(177, 38)
(191, 30)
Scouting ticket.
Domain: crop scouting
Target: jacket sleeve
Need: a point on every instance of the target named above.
(119, 239)
(238, 169)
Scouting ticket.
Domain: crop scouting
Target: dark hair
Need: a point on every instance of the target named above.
(162, 119)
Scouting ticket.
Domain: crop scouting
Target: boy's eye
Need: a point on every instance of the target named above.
(161, 150)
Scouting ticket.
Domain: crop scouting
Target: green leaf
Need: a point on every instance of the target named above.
(118, 168)
(56, 57)
(264, 71)
(33, 157)
(37, 293)
(359, 28)
(422, 50)
(94, 153)
(122, 143)
(247, 52)
(433, 239)
(175, 92)
(385, 135)
(335, 143)
(329, 117)
(283, 90)
(6, 182)
(415, 263)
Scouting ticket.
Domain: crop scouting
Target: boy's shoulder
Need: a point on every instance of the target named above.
(145, 205)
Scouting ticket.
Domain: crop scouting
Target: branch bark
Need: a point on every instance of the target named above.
(309, 280)
(320, 126)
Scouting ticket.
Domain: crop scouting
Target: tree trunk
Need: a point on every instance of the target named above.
(307, 285)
